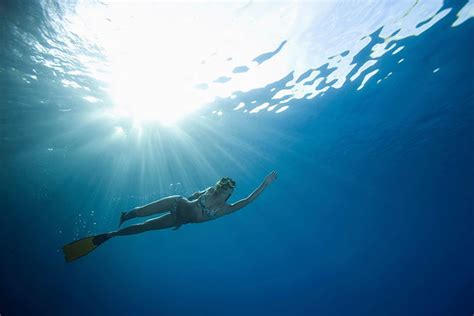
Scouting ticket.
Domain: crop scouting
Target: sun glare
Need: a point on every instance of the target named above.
(151, 61)
(159, 55)
(163, 60)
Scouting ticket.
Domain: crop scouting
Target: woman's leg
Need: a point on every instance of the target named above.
(162, 222)
(166, 204)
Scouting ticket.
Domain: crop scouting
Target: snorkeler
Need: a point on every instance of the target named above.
(200, 207)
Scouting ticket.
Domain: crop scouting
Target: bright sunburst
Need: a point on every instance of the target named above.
(151, 60)
(160, 54)
(164, 60)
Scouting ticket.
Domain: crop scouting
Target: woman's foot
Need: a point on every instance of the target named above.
(100, 239)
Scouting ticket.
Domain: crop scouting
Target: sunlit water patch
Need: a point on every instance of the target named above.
(161, 61)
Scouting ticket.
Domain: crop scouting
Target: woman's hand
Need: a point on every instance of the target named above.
(270, 178)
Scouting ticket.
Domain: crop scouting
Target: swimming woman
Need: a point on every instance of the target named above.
(200, 207)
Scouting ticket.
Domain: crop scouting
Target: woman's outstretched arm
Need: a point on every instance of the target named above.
(249, 199)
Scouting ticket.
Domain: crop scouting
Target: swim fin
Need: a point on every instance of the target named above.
(82, 247)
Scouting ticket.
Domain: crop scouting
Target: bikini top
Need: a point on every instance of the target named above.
(207, 212)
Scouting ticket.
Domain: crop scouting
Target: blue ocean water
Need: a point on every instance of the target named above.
(371, 214)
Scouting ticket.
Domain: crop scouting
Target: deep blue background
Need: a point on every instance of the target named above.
(372, 213)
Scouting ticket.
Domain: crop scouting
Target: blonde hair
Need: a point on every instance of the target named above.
(225, 181)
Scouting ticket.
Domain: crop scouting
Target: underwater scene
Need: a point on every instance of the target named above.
(237, 157)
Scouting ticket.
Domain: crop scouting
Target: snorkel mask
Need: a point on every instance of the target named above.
(225, 182)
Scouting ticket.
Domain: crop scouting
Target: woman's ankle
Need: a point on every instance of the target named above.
(125, 216)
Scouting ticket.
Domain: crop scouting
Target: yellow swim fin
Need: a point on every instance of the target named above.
(82, 247)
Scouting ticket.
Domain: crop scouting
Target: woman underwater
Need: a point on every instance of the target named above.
(200, 207)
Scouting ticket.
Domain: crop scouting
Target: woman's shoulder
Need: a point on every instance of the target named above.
(209, 190)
